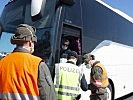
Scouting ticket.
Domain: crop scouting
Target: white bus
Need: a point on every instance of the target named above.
(91, 26)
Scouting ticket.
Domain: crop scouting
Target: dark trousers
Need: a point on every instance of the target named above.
(99, 97)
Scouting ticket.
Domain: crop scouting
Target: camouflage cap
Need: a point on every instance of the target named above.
(87, 57)
(23, 33)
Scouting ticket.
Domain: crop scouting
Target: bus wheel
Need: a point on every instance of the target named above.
(109, 91)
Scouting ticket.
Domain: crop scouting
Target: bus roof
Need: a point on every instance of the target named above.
(124, 15)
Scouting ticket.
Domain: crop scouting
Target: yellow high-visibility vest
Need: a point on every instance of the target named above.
(67, 81)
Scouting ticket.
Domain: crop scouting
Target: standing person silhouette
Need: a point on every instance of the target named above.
(98, 78)
(69, 79)
(23, 75)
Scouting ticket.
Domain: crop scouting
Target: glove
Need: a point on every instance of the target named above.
(78, 97)
(92, 87)
(89, 86)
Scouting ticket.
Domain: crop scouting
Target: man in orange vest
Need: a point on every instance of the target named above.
(24, 76)
(98, 78)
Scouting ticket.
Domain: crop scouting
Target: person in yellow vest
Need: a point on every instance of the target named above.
(98, 78)
(68, 78)
(24, 76)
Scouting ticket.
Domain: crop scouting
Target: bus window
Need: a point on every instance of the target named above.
(43, 46)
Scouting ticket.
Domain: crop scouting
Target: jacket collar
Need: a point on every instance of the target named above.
(95, 63)
(20, 49)
(70, 62)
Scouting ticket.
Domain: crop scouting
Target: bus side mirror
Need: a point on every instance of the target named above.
(68, 2)
(37, 9)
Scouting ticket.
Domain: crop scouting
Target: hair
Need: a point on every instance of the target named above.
(65, 40)
(87, 57)
(70, 57)
(92, 57)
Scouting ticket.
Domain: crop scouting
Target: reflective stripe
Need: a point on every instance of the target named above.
(67, 94)
(57, 81)
(57, 73)
(63, 75)
(97, 83)
(67, 87)
(18, 96)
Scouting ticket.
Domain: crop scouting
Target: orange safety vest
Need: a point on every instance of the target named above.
(100, 83)
(18, 76)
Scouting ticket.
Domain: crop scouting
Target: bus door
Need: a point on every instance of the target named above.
(74, 34)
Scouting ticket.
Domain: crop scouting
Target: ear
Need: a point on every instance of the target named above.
(90, 58)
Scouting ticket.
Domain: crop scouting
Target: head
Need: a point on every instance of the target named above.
(65, 43)
(88, 59)
(63, 58)
(25, 37)
(72, 56)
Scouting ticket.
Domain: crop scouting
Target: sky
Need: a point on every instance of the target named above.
(125, 6)
(5, 37)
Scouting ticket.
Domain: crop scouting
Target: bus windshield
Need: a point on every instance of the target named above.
(43, 46)
(19, 12)
(45, 14)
